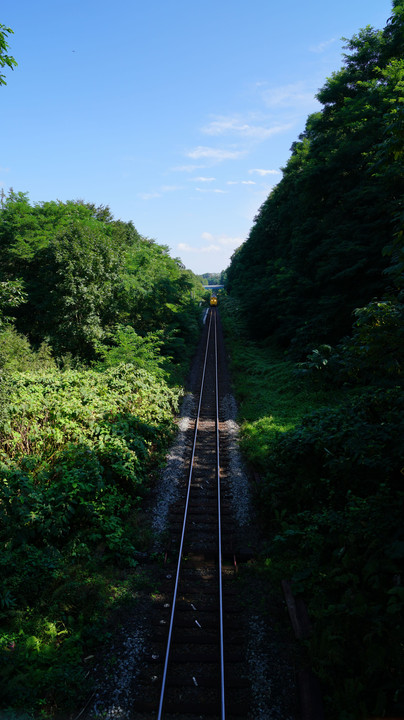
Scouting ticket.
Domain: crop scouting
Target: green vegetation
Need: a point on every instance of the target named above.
(213, 278)
(330, 498)
(5, 58)
(85, 274)
(325, 258)
(328, 239)
(97, 327)
(78, 452)
(271, 397)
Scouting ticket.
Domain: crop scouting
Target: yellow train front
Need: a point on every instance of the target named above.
(213, 301)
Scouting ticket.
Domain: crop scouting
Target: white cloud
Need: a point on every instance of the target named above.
(202, 179)
(214, 153)
(210, 248)
(261, 172)
(240, 182)
(185, 247)
(211, 190)
(206, 248)
(149, 196)
(294, 95)
(322, 46)
(232, 242)
(159, 193)
(233, 125)
(224, 125)
(224, 241)
(216, 244)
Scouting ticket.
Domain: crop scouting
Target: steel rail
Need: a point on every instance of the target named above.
(222, 691)
(170, 631)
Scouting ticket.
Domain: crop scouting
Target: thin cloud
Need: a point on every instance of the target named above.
(231, 242)
(223, 240)
(158, 193)
(234, 125)
(210, 153)
(240, 182)
(294, 95)
(216, 243)
(202, 179)
(149, 196)
(322, 46)
(263, 172)
(210, 248)
(185, 247)
(211, 190)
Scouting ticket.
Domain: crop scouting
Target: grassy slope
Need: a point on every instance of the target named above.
(271, 397)
(331, 504)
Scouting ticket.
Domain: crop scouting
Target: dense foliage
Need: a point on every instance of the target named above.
(5, 58)
(328, 238)
(85, 273)
(213, 278)
(334, 501)
(78, 451)
(97, 326)
(328, 452)
(325, 258)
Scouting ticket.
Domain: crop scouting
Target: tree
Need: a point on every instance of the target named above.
(5, 59)
(322, 241)
(86, 275)
(11, 295)
(79, 278)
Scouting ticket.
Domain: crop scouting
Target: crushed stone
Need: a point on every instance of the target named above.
(269, 671)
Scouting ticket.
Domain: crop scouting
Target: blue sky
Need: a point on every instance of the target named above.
(176, 114)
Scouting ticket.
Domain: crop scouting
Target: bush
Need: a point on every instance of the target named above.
(16, 353)
(78, 453)
(372, 354)
(334, 502)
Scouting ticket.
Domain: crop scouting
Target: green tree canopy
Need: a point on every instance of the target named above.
(328, 238)
(5, 58)
(85, 274)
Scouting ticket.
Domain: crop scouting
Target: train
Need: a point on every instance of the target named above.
(213, 301)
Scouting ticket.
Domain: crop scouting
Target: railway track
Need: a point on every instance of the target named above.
(196, 664)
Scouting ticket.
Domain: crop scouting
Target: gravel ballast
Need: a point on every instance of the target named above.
(269, 653)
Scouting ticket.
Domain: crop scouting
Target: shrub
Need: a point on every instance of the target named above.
(16, 353)
(372, 354)
(78, 452)
(334, 502)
